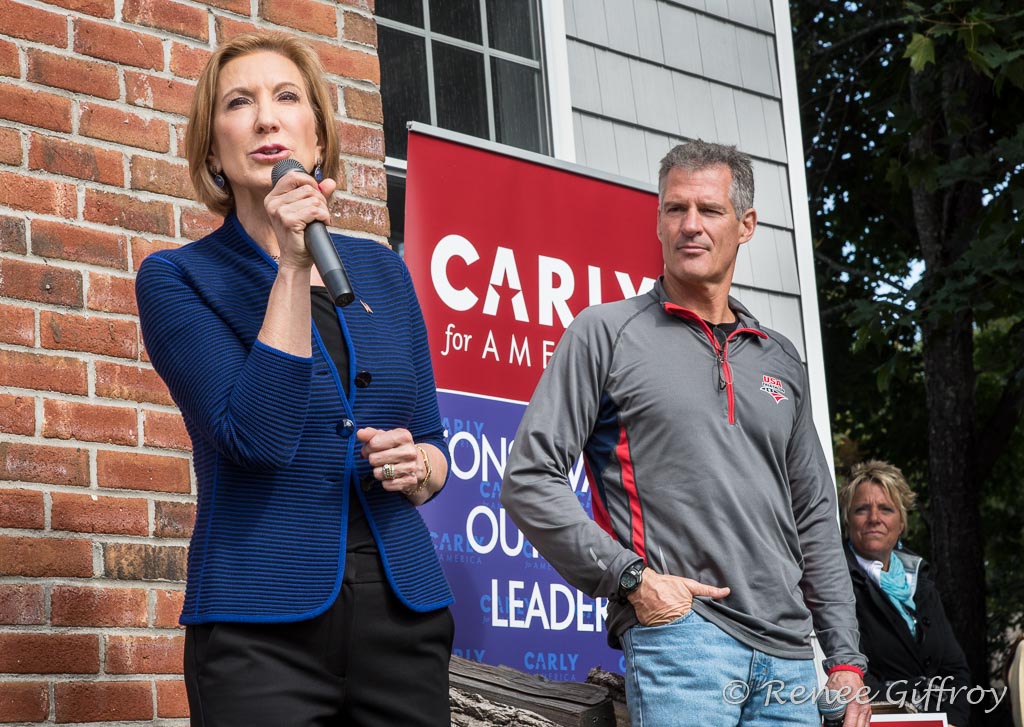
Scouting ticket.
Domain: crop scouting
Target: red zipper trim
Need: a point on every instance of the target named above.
(727, 369)
(727, 373)
(721, 352)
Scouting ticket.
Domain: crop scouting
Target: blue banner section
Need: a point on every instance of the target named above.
(511, 607)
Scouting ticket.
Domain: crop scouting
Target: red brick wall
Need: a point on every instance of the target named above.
(96, 488)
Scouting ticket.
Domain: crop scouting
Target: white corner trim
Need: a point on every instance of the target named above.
(556, 65)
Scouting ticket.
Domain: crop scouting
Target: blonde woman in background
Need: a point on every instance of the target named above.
(904, 631)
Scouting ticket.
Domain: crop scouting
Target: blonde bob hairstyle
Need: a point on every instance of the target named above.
(888, 477)
(199, 136)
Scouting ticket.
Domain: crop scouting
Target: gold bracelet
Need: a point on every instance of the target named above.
(426, 478)
(426, 466)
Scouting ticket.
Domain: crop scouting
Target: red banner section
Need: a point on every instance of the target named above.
(506, 252)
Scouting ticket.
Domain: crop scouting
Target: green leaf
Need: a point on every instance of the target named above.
(883, 376)
(1014, 73)
(920, 51)
(980, 63)
(995, 55)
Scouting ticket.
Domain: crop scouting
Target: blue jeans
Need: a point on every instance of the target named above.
(690, 672)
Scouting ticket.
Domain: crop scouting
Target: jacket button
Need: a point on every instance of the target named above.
(345, 428)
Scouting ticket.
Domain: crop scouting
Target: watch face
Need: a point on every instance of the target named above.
(629, 580)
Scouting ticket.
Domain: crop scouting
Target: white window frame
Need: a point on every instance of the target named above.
(554, 67)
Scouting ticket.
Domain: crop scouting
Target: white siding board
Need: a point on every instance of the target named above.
(658, 145)
(724, 107)
(570, 17)
(698, 4)
(598, 137)
(695, 112)
(679, 39)
(755, 301)
(590, 21)
(743, 274)
(769, 199)
(648, 30)
(577, 133)
(653, 86)
(616, 86)
(751, 124)
(765, 21)
(786, 252)
(764, 260)
(621, 23)
(773, 62)
(719, 55)
(787, 205)
(583, 78)
(787, 321)
(755, 65)
(631, 150)
(717, 7)
(774, 129)
(745, 11)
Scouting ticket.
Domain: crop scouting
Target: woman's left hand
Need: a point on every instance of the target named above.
(396, 461)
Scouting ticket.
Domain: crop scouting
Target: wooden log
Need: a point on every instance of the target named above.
(615, 683)
(568, 704)
(472, 710)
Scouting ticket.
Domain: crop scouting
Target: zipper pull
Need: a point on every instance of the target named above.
(724, 372)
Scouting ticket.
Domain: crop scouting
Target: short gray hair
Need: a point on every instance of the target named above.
(697, 155)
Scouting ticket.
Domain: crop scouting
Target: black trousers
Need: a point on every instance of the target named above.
(367, 661)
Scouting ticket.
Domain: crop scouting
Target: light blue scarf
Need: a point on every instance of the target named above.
(894, 584)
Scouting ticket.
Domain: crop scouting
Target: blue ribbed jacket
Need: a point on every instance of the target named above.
(273, 434)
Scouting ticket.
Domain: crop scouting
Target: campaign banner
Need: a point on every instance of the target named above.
(504, 252)
(909, 720)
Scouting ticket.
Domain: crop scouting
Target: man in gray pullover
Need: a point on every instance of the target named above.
(714, 533)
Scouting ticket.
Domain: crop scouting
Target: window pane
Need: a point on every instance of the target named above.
(457, 18)
(518, 106)
(409, 12)
(512, 27)
(459, 90)
(403, 86)
(396, 211)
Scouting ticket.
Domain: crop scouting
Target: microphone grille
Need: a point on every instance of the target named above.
(831, 704)
(283, 167)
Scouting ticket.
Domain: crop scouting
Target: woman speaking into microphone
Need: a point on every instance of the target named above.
(314, 596)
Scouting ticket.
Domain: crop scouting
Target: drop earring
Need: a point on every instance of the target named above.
(218, 179)
(318, 174)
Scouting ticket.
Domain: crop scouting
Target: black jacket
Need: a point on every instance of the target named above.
(894, 655)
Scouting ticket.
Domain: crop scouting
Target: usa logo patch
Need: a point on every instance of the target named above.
(773, 387)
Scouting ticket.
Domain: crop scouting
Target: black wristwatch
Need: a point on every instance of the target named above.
(630, 580)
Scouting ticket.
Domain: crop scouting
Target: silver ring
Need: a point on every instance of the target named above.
(388, 470)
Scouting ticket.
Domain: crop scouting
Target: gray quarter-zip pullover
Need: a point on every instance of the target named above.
(704, 463)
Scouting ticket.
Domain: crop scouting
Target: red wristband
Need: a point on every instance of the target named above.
(847, 667)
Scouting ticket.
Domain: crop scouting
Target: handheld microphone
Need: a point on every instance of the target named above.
(320, 246)
(832, 707)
